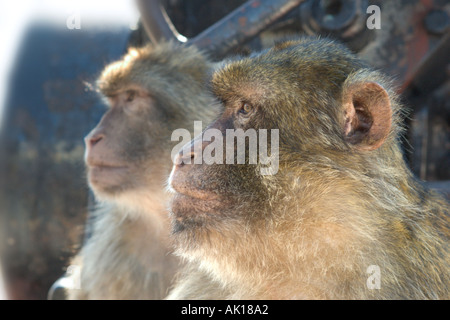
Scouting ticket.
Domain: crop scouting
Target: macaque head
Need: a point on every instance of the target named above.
(125, 151)
(149, 93)
(310, 99)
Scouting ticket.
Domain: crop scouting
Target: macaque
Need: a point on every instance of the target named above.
(150, 92)
(342, 217)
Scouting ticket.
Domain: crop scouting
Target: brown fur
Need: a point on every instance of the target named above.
(342, 200)
(150, 92)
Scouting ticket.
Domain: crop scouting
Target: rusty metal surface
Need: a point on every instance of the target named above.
(431, 70)
(403, 41)
(429, 136)
(236, 28)
(242, 24)
(345, 19)
(194, 16)
(397, 48)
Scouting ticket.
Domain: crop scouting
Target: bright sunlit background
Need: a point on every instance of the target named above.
(16, 15)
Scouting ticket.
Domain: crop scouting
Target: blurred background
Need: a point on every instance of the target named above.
(52, 48)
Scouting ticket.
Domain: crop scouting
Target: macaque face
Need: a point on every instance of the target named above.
(123, 152)
(208, 194)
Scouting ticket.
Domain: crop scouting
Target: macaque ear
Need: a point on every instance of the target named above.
(368, 115)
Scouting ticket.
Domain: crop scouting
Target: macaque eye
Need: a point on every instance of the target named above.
(246, 108)
(131, 94)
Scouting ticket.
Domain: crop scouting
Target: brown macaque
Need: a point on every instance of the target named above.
(150, 92)
(341, 217)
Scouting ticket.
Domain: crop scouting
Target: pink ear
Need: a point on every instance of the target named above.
(367, 114)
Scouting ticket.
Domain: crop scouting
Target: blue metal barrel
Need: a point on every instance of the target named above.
(43, 191)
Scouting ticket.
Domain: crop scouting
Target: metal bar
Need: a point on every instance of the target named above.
(156, 22)
(242, 24)
(430, 73)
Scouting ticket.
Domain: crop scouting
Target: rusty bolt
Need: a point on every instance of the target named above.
(437, 21)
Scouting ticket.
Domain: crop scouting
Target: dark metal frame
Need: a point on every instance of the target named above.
(236, 28)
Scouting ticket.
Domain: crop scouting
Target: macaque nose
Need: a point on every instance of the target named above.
(91, 141)
(184, 158)
(188, 156)
(191, 153)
